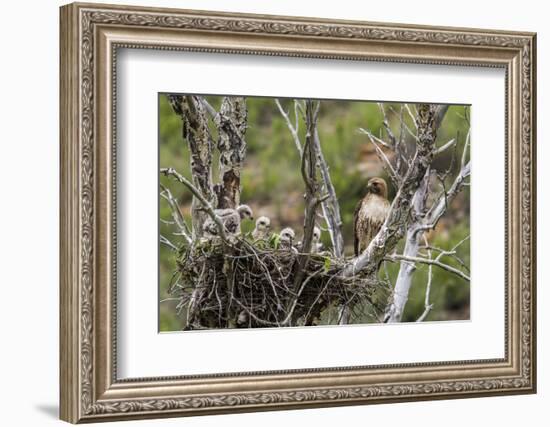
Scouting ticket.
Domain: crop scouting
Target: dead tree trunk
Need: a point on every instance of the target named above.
(195, 131)
(312, 197)
(331, 208)
(231, 122)
(407, 268)
(423, 219)
(330, 205)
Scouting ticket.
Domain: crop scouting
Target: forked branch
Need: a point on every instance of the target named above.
(205, 204)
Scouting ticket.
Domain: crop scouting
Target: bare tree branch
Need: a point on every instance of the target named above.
(465, 150)
(386, 164)
(205, 205)
(309, 160)
(411, 114)
(422, 221)
(208, 108)
(293, 130)
(404, 125)
(403, 283)
(376, 139)
(427, 306)
(387, 126)
(195, 131)
(176, 214)
(440, 206)
(395, 225)
(168, 243)
(330, 206)
(312, 199)
(436, 262)
(445, 146)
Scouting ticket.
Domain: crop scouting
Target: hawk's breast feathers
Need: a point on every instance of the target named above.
(370, 214)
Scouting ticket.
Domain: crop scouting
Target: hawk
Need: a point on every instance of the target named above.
(316, 245)
(230, 218)
(370, 214)
(286, 237)
(261, 231)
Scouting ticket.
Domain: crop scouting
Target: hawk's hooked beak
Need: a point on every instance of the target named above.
(373, 188)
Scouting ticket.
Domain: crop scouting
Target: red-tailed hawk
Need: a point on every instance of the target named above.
(370, 214)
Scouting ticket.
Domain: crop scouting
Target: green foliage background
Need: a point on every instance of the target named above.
(272, 186)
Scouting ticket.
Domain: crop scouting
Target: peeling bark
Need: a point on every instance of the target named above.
(195, 131)
(231, 123)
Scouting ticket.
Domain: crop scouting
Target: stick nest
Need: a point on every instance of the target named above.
(245, 285)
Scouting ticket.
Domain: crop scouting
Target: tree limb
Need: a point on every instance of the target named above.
(386, 164)
(436, 262)
(176, 214)
(168, 243)
(427, 306)
(422, 221)
(394, 311)
(231, 124)
(395, 224)
(206, 206)
(312, 199)
(440, 206)
(293, 130)
(445, 146)
(195, 130)
(330, 206)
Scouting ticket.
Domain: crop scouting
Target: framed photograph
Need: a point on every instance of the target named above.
(266, 212)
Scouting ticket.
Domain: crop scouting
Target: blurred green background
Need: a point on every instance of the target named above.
(272, 186)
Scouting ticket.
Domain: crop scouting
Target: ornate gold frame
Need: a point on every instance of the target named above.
(90, 35)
